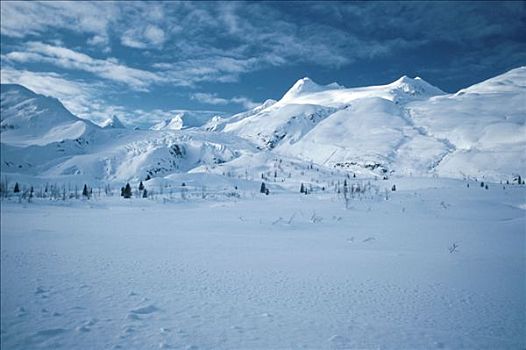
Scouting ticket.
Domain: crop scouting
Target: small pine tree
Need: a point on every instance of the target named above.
(393, 188)
(17, 188)
(482, 184)
(122, 191)
(85, 191)
(263, 188)
(127, 193)
(145, 193)
(486, 187)
(141, 186)
(148, 177)
(267, 191)
(302, 188)
(354, 175)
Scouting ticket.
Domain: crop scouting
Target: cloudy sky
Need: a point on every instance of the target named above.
(144, 61)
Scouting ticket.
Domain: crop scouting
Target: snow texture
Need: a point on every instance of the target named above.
(438, 265)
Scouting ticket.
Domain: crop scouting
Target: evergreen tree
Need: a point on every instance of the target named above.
(17, 188)
(393, 188)
(148, 177)
(85, 191)
(145, 193)
(267, 191)
(263, 188)
(141, 186)
(302, 188)
(482, 184)
(519, 179)
(127, 193)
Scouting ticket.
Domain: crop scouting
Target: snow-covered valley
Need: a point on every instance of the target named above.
(437, 265)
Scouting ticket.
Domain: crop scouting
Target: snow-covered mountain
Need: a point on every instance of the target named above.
(113, 123)
(185, 120)
(175, 123)
(39, 137)
(407, 127)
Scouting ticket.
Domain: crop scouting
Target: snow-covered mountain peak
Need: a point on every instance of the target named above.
(415, 87)
(174, 123)
(113, 123)
(16, 91)
(27, 115)
(307, 86)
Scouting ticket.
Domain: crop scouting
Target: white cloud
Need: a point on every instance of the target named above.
(68, 59)
(149, 36)
(245, 102)
(98, 40)
(21, 18)
(154, 34)
(213, 99)
(210, 99)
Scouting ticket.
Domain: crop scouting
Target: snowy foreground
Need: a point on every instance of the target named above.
(438, 265)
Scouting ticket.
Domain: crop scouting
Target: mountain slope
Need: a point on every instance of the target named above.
(29, 118)
(406, 127)
(486, 124)
(39, 137)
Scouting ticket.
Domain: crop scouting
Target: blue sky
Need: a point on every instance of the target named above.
(144, 61)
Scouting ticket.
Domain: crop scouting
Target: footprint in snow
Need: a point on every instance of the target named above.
(86, 326)
(83, 329)
(40, 290)
(20, 311)
(145, 310)
(48, 333)
(339, 342)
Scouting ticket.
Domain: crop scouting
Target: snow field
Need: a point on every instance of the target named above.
(279, 271)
